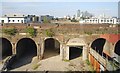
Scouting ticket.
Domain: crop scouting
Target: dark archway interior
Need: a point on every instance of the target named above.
(5, 47)
(75, 52)
(26, 49)
(117, 48)
(51, 48)
(98, 45)
(49, 43)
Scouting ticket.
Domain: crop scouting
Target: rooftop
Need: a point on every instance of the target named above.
(13, 15)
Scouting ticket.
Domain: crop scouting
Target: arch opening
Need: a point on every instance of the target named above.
(5, 48)
(26, 50)
(26, 47)
(51, 47)
(75, 52)
(98, 45)
(75, 47)
(117, 48)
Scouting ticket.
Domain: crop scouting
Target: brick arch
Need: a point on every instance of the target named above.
(117, 48)
(51, 45)
(117, 51)
(25, 40)
(17, 39)
(98, 45)
(53, 38)
(113, 38)
(6, 47)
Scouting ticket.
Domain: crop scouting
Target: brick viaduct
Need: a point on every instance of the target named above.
(107, 43)
(80, 40)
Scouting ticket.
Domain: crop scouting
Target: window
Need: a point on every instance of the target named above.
(2, 21)
(101, 20)
(37, 18)
(117, 21)
(31, 19)
(107, 20)
(8, 20)
(18, 20)
(22, 21)
(104, 20)
(13, 20)
(110, 20)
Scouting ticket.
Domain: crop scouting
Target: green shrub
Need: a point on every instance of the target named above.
(11, 31)
(88, 62)
(31, 31)
(49, 33)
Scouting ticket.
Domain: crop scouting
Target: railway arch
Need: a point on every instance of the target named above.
(5, 47)
(51, 47)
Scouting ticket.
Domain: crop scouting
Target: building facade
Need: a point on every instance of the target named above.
(16, 20)
(4, 20)
(13, 19)
(32, 19)
(45, 18)
(101, 20)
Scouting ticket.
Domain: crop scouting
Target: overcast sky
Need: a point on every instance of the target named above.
(59, 9)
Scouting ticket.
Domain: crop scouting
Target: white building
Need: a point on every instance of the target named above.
(101, 20)
(4, 20)
(13, 19)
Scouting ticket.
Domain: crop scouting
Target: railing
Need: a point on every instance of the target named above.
(109, 65)
(98, 57)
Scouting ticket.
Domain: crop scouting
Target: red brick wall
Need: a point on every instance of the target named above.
(113, 38)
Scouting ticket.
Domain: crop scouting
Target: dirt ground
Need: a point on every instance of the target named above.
(55, 64)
